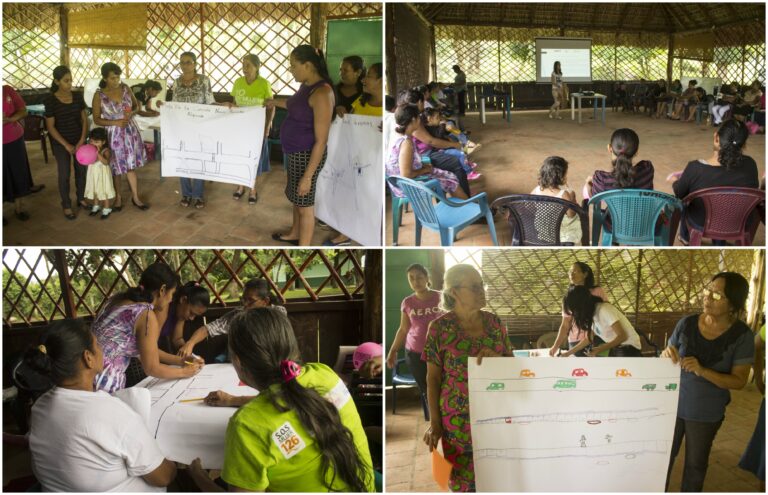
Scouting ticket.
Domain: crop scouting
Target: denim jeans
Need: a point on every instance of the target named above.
(192, 188)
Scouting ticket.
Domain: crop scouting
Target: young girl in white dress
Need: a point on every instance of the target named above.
(99, 187)
(553, 182)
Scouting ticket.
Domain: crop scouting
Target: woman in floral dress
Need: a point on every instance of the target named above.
(404, 161)
(127, 327)
(464, 331)
(113, 107)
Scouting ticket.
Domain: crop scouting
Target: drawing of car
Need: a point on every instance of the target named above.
(579, 372)
(528, 374)
(508, 420)
(671, 387)
(649, 386)
(623, 372)
(564, 384)
(495, 386)
(594, 422)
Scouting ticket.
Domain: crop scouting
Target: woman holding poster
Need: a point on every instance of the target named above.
(304, 135)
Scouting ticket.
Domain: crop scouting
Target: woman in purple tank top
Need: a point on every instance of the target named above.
(304, 136)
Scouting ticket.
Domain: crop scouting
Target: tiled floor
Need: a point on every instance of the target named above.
(409, 465)
(223, 221)
(512, 154)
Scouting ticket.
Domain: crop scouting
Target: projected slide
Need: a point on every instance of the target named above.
(574, 55)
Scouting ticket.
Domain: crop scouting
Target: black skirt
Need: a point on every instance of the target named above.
(17, 178)
(297, 165)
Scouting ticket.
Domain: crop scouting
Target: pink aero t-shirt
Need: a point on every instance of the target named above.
(576, 333)
(421, 313)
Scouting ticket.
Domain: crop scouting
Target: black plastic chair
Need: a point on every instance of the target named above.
(35, 130)
(400, 378)
(535, 220)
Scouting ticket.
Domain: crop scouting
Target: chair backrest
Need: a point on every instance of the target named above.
(634, 212)
(726, 209)
(422, 196)
(34, 127)
(537, 219)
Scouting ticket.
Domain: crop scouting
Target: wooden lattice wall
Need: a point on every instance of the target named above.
(40, 286)
(411, 48)
(219, 33)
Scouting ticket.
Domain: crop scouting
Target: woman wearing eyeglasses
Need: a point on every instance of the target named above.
(715, 350)
(464, 331)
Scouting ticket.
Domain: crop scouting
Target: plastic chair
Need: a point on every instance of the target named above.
(400, 205)
(634, 214)
(726, 213)
(448, 216)
(535, 220)
(34, 130)
(400, 378)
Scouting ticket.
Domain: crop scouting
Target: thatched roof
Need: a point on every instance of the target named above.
(613, 17)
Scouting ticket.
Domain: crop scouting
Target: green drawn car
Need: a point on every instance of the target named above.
(495, 386)
(564, 384)
(649, 386)
(671, 387)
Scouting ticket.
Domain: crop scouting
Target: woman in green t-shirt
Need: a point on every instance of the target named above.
(251, 90)
(302, 433)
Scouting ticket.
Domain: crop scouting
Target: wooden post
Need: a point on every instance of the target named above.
(432, 52)
(670, 57)
(756, 290)
(318, 14)
(637, 285)
(391, 70)
(374, 301)
(202, 38)
(63, 35)
(67, 295)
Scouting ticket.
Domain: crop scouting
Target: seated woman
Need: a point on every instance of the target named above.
(302, 433)
(189, 302)
(553, 176)
(715, 350)
(145, 93)
(127, 328)
(727, 166)
(464, 331)
(81, 439)
(597, 317)
(428, 145)
(256, 294)
(687, 99)
(749, 102)
(432, 122)
(669, 98)
(724, 103)
(404, 161)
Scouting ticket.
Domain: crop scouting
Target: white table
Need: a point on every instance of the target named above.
(581, 96)
(185, 430)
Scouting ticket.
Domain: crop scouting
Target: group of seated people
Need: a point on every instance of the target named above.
(728, 166)
(677, 103)
(84, 438)
(430, 141)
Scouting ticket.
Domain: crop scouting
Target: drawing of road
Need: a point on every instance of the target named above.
(628, 450)
(208, 159)
(590, 417)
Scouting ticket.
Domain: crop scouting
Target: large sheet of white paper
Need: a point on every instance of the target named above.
(185, 430)
(212, 142)
(572, 425)
(350, 184)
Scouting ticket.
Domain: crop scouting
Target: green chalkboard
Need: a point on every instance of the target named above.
(345, 37)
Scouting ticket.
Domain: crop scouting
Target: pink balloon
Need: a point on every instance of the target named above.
(366, 351)
(87, 154)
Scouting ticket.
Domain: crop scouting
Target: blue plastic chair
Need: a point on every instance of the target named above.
(634, 214)
(405, 379)
(400, 205)
(448, 216)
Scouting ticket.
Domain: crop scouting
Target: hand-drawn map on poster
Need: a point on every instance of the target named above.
(211, 142)
(572, 424)
(185, 430)
(349, 188)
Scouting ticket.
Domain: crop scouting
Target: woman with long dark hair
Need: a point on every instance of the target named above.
(82, 439)
(579, 274)
(350, 85)
(304, 136)
(67, 125)
(624, 145)
(557, 91)
(17, 178)
(715, 350)
(597, 317)
(127, 327)
(371, 101)
(113, 107)
(727, 166)
(302, 433)
(190, 301)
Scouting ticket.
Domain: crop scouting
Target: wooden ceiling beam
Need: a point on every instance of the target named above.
(419, 14)
(705, 12)
(674, 16)
(513, 24)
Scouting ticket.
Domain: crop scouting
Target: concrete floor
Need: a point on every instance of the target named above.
(408, 465)
(223, 221)
(512, 154)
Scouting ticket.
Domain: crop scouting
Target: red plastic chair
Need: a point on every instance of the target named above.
(726, 212)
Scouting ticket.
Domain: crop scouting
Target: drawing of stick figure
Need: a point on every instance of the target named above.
(609, 438)
(583, 441)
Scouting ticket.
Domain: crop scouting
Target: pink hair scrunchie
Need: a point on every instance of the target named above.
(289, 370)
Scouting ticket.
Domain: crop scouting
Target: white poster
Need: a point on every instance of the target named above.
(350, 184)
(186, 428)
(211, 142)
(572, 424)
